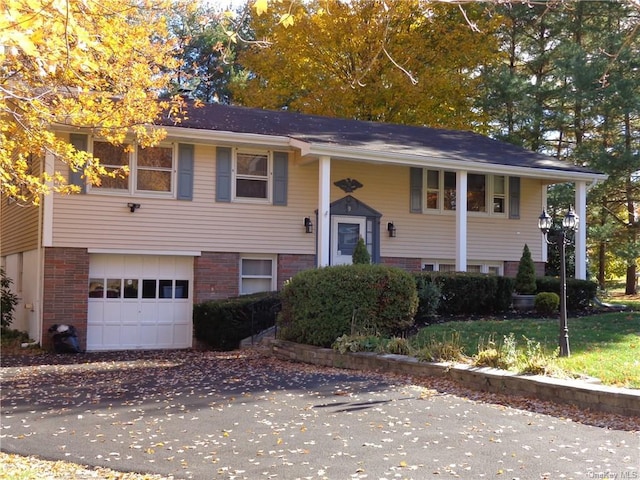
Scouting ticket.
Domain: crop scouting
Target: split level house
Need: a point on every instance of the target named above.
(239, 200)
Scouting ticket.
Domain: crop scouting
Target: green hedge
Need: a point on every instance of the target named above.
(322, 304)
(579, 292)
(463, 293)
(222, 324)
(546, 303)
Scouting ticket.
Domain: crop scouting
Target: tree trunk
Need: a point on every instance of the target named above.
(630, 288)
(602, 259)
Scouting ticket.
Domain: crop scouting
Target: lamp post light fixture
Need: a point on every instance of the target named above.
(569, 224)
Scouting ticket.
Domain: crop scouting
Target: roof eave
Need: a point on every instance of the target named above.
(225, 137)
(440, 160)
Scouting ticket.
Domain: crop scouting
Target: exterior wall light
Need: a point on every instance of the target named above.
(133, 206)
(570, 224)
(391, 228)
(308, 225)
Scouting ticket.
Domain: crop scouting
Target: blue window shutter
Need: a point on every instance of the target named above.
(80, 142)
(280, 173)
(185, 172)
(223, 174)
(514, 197)
(415, 190)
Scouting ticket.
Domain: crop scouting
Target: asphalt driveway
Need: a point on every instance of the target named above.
(242, 415)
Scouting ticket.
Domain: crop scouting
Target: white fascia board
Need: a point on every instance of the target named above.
(193, 135)
(438, 160)
(124, 251)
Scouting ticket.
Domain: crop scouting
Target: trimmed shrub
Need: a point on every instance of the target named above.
(320, 305)
(429, 295)
(222, 324)
(504, 293)
(526, 276)
(580, 293)
(462, 294)
(546, 303)
(361, 254)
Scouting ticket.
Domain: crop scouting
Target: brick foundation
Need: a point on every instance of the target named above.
(511, 268)
(66, 289)
(216, 276)
(409, 264)
(289, 265)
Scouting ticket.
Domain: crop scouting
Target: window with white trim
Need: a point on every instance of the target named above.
(150, 170)
(113, 158)
(154, 171)
(252, 176)
(476, 193)
(485, 193)
(257, 274)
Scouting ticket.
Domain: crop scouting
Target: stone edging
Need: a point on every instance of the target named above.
(623, 401)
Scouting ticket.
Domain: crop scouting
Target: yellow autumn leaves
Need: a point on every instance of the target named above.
(84, 66)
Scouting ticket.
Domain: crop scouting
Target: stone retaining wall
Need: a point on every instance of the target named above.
(622, 401)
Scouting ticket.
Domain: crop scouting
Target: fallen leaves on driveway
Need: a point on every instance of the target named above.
(16, 467)
(131, 378)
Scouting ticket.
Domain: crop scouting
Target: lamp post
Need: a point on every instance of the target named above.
(569, 224)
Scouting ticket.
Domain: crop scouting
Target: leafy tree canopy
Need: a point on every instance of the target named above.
(96, 67)
(381, 61)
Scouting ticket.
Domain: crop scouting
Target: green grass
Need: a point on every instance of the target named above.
(606, 346)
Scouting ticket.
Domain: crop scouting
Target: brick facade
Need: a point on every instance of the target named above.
(511, 268)
(289, 265)
(65, 293)
(216, 276)
(408, 264)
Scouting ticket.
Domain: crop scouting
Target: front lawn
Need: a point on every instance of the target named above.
(606, 346)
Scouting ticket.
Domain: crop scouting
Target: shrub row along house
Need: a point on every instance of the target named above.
(238, 200)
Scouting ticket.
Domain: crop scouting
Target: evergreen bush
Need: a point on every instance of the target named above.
(580, 293)
(461, 294)
(320, 305)
(222, 324)
(361, 254)
(526, 276)
(8, 300)
(547, 303)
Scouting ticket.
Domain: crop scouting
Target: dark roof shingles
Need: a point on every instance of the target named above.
(403, 139)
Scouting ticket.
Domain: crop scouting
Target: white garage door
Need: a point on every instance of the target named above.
(139, 302)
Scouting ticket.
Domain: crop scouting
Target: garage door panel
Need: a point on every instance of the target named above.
(165, 334)
(95, 313)
(95, 335)
(182, 335)
(130, 311)
(129, 336)
(167, 314)
(129, 323)
(149, 336)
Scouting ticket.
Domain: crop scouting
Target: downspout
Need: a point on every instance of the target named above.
(39, 275)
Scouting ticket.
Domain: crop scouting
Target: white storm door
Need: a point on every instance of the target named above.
(345, 232)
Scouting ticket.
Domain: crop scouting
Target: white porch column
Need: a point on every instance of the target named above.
(324, 184)
(461, 221)
(581, 234)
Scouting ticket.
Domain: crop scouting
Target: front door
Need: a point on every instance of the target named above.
(345, 232)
